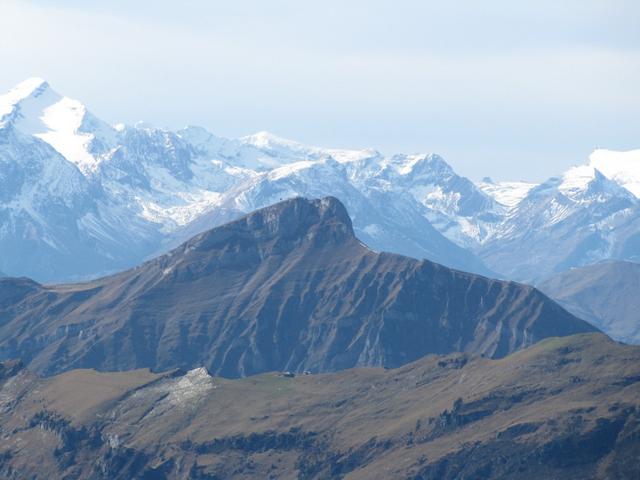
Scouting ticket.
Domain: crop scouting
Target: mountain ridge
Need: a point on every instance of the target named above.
(563, 408)
(288, 287)
(173, 184)
(170, 185)
(584, 215)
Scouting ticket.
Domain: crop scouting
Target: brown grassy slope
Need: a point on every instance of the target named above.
(564, 408)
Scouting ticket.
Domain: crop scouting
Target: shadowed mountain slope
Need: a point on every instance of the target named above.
(288, 287)
(605, 294)
(565, 408)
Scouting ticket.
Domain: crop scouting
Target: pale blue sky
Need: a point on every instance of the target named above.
(515, 90)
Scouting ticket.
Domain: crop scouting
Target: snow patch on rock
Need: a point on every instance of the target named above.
(193, 385)
(508, 194)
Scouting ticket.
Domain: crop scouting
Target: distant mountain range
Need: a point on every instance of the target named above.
(288, 287)
(577, 219)
(605, 294)
(563, 408)
(80, 198)
(183, 292)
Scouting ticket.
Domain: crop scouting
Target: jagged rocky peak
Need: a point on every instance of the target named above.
(17, 104)
(31, 87)
(422, 164)
(582, 180)
(622, 167)
(419, 168)
(323, 220)
(579, 183)
(34, 108)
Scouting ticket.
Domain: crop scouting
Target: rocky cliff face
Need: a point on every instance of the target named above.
(288, 287)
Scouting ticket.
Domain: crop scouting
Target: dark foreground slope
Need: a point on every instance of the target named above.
(565, 408)
(606, 294)
(286, 287)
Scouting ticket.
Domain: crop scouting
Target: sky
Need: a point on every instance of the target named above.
(512, 90)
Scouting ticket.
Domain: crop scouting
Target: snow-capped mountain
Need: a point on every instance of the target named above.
(578, 218)
(34, 109)
(54, 219)
(80, 197)
(621, 167)
(508, 194)
(385, 217)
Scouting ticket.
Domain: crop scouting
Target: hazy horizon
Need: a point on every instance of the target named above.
(509, 91)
